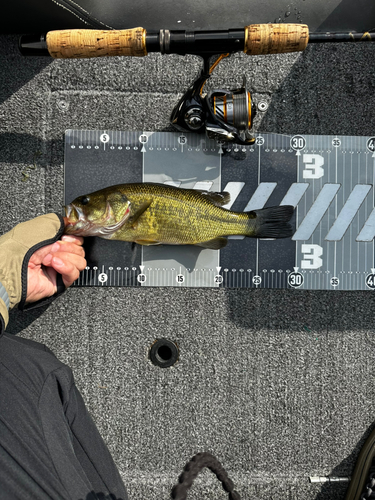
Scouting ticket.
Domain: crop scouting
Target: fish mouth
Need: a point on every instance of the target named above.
(77, 223)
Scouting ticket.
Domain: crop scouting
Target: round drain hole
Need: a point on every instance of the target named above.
(164, 353)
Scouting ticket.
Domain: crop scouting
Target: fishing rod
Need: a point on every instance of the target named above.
(224, 115)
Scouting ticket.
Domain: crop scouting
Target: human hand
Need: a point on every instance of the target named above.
(65, 257)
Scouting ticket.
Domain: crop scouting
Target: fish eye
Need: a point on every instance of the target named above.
(85, 200)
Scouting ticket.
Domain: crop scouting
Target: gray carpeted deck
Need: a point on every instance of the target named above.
(279, 385)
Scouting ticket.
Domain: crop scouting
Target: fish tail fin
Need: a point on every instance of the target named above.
(272, 222)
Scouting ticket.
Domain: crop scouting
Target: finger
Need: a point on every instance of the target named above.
(39, 255)
(78, 261)
(78, 240)
(68, 247)
(67, 253)
(69, 268)
(47, 253)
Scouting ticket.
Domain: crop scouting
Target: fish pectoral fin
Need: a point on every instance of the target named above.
(140, 210)
(214, 244)
(147, 242)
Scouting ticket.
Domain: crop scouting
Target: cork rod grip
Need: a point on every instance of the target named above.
(80, 43)
(275, 38)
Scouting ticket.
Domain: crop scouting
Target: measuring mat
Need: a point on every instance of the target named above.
(328, 179)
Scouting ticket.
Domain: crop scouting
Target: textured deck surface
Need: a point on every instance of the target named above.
(277, 384)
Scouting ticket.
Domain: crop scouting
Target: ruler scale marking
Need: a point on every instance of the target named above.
(350, 227)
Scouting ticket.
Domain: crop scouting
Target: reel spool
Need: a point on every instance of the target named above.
(233, 115)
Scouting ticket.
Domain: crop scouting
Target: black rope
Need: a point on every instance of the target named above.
(193, 468)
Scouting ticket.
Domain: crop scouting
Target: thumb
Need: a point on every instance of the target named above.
(43, 255)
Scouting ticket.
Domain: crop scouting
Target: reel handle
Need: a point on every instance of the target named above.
(82, 43)
(275, 38)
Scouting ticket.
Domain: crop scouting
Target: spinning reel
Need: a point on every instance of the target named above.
(225, 115)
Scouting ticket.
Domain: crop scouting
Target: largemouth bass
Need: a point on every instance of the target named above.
(154, 214)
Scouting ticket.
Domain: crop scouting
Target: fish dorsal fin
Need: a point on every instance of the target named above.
(214, 244)
(218, 199)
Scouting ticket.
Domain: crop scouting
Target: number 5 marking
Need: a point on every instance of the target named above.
(311, 256)
(313, 168)
(104, 138)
